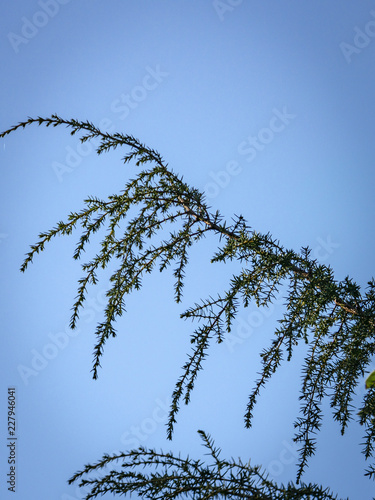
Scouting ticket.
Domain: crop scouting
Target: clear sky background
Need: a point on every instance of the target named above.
(198, 81)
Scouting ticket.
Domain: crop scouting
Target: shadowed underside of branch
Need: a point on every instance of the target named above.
(334, 318)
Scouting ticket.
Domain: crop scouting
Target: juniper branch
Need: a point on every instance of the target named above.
(187, 478)
(334, 318)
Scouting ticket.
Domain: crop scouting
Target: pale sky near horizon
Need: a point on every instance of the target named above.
(267, 107)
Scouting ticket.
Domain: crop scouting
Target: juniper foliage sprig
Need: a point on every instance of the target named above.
(171, 477)
(335, 319)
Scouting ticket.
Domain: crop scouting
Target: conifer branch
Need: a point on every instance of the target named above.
(187, 478)
(334, 318)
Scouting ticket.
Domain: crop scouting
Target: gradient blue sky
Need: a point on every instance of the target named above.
(199, 82)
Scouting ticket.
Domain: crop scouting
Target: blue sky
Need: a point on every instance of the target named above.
(268, 107)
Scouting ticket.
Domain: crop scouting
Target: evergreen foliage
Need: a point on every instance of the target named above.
(334, 318)
(179, 478)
